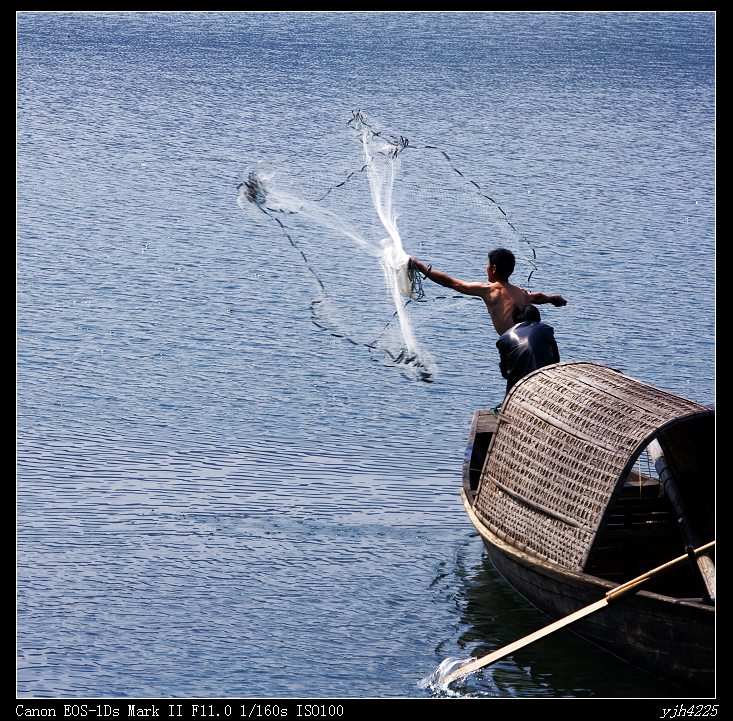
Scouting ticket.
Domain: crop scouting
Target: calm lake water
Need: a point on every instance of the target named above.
(215, 497)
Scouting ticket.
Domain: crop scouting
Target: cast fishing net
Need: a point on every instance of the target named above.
(355, 230)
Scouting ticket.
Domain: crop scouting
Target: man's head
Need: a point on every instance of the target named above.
(501, 264)
(526, 313)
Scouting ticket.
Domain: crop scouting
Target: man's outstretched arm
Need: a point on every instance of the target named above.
(446, 280)
(541, 298)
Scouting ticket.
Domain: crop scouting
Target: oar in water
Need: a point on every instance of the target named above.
(613, 595)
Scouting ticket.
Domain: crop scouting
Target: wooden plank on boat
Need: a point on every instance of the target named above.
(483, 425)
(487, 421)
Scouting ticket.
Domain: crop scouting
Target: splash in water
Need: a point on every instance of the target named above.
(436, 680)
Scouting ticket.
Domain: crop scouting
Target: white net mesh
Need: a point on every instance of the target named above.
(349, 235)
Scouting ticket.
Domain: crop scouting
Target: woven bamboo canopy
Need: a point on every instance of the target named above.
(568, 436)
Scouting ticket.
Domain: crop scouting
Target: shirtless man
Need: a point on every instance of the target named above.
(500, 296)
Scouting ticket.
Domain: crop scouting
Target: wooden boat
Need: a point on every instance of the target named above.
(561, 486)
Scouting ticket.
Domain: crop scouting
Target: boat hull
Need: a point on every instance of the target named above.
(669, 637)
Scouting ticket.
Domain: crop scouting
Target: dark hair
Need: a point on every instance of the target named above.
(504, 261)
(522, 313)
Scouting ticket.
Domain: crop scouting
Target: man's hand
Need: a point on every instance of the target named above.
(558, 301)
(415, 263)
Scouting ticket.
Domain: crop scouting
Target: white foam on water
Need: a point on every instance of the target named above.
(435, 682)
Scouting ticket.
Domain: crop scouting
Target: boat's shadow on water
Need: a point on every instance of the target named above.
(491, 614)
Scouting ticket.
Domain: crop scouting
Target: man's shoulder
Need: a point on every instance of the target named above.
(496, 289)
(514, 292)
(483, 289)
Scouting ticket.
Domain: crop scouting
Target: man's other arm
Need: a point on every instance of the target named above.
(542, 298)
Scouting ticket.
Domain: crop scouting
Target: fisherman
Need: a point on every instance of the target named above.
(528, 345)
(500, 296)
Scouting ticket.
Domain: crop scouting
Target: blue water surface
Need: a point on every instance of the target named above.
(215, 498)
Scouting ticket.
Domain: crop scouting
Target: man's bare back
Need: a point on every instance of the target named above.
(501, 299)
(500, 296)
